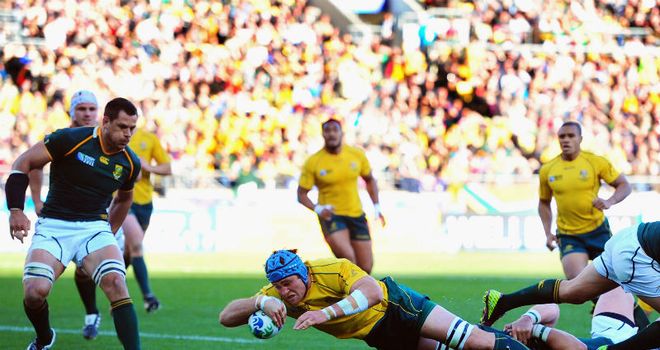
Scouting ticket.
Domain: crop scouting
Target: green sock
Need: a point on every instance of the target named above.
(141, 274)
(126, 323)
(544, 292)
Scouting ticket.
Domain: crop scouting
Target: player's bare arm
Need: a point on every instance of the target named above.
(545, 212)
(621, 190)
(372, 189)
(364, 293)
(34, 158)
(36, 181)
(158, 169)
(237, 312)
(119, 207)
(323, 211)
(543, 314)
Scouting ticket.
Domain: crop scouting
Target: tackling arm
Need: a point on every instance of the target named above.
(537, 322)
(543, 314)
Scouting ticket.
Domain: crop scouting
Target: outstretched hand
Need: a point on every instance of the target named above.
(276, 310)
(309, 319)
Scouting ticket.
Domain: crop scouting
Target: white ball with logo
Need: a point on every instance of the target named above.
(262, 326)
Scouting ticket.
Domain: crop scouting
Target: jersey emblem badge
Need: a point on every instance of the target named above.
(85, 159)
(583, 174)
(118, 171)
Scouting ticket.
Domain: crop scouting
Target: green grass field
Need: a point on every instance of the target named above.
(194, 288)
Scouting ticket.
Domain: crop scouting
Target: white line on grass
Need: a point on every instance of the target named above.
(142, 335)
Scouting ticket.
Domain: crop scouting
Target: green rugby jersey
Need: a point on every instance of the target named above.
(83, 177)
(648, 234)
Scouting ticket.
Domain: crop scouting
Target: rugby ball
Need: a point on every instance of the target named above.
(262, 326)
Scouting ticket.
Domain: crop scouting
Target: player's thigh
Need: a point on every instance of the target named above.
(439, 321)
(587, 285)
(340, 244)
(574, 263)
(427, 344)
(653, 302)
(616, 301)
(132, 230)
(37, 278)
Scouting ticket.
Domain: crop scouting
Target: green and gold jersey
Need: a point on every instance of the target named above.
(83, 176)
(147, 146)
(331, 281)
(335, 176)
(575, 185)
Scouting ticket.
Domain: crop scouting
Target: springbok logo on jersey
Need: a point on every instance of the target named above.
(85, 159)
(104, 160)
(118, 171)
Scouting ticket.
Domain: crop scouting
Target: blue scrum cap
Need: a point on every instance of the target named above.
(284, 263)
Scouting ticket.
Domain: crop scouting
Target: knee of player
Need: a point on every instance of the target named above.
(110, 275)
(38, 279)
(136, 249)
(36, 290)
(113, 282)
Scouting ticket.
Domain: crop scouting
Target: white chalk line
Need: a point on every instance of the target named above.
(142, 335)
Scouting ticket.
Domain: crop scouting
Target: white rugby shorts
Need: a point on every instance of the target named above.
(611, 328)
(625, 262)
(71, 240)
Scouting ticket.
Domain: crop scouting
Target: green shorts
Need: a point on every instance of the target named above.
(142, 213)
(357, 226)
(406, 312)
(592, 243)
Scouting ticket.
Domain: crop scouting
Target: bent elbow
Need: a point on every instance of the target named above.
(379, 296)
(224, 319)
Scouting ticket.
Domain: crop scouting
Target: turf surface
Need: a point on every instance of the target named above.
(194, 288)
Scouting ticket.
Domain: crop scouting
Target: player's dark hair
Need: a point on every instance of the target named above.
(117, 105)
(575, 124)
(331, 120)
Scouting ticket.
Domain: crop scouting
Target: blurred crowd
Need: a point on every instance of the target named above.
(237, 90)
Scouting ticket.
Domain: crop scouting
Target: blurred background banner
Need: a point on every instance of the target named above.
(252, 219)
